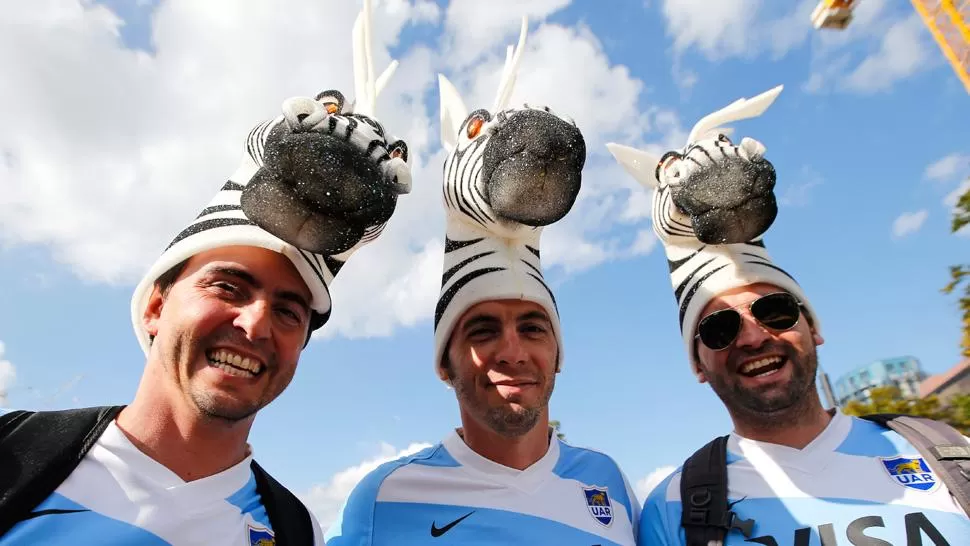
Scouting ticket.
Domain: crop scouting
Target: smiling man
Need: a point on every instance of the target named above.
(223, 316)
(502, 477)
(790, 472)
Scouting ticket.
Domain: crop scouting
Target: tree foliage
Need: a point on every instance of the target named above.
(960, 274)
(556, 426)
(889, 400)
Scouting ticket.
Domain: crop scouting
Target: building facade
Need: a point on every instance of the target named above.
(904, 372)
(948, 384)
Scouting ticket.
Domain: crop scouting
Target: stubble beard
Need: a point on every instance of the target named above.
(779, 410)
(210, 405)
(505, 420)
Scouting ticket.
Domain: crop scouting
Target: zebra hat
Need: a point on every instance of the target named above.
(712, 203)
(284, 198)
(510, 172)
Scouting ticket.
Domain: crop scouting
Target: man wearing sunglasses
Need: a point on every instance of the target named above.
(790, 472)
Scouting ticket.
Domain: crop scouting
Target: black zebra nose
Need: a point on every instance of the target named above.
(730, 201)
(542, 135)
(532, 167)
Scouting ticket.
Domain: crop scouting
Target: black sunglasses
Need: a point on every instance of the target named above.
(778, 311)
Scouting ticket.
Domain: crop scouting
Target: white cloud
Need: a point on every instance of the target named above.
(736, 28)
(645, 242)
(948, 167)
(643, 487)
(116, 150)
(7, 376)
(904, 51)
(879, 48)
(798, 193)
(473, 30)
(908, 222)
(325, 500)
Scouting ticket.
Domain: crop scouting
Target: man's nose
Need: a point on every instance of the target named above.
(511, 349)
(753, 334)
(255, 319)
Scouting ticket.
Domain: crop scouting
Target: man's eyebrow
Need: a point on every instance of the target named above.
(535, 315)
(235, 272)
(293, 297)
(246, 277)
(478, 320)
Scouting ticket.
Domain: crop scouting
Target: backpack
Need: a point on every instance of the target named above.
(39, 450)
(707, 518)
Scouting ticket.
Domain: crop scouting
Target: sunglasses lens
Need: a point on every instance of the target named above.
(719, 329)
(776, 311)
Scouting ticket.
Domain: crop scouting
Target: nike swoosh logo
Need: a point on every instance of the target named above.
(52, 512)
(436, 532)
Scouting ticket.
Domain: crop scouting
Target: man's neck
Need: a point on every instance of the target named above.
(796, 430)
(188, 444)
(519, 452)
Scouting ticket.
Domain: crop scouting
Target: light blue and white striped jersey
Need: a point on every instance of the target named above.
(448, 494)
(119, 496)
(857, 484)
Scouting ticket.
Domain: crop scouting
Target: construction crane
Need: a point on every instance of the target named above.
(947, 20)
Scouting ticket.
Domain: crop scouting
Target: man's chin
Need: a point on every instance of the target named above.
(224, 408)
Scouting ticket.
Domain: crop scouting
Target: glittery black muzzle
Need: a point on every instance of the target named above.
(317, 192)
(731, 201)
(532, 168)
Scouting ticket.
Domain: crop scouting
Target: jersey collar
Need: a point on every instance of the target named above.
(527, 479)
(811, 458)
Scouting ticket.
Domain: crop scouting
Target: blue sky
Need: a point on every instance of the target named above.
(125, 117)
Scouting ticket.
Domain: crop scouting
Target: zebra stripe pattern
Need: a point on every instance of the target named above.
(224, 221)
(700, 271)
(487, 257)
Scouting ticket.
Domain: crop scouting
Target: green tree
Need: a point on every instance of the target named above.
(960, 405)
(959, 274)
(556, 426)
(889, 400)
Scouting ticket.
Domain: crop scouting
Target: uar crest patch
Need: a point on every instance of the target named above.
(261, 537)
(913, 473)
(599, 505)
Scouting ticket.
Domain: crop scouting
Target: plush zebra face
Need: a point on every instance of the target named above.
(711, 191)
(519, 167)
(328, 178)
(722, 192)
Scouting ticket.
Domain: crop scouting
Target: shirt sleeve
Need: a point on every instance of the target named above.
(660, 518)
(354, 525)
(317, 531)
(635, 508)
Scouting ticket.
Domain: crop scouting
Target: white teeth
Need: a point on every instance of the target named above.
(225, 360)
(760, 363)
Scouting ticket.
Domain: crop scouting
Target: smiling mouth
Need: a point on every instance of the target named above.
(763, 367)
(234, 364)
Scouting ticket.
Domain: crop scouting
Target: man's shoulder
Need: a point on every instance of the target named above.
(357, 513)
(369, 486)
(584, 460)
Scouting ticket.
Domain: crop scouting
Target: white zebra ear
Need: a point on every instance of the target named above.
(736, 111)
(453, 113)
(640, 164)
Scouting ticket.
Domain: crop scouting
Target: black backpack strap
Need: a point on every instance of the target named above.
(706, 517)
(288, 516)
(39, 450)
(945, 449)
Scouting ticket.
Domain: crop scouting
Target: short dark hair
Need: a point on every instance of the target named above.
(165, 281)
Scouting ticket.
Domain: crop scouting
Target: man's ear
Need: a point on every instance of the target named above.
(153, 311)
(817, 337)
